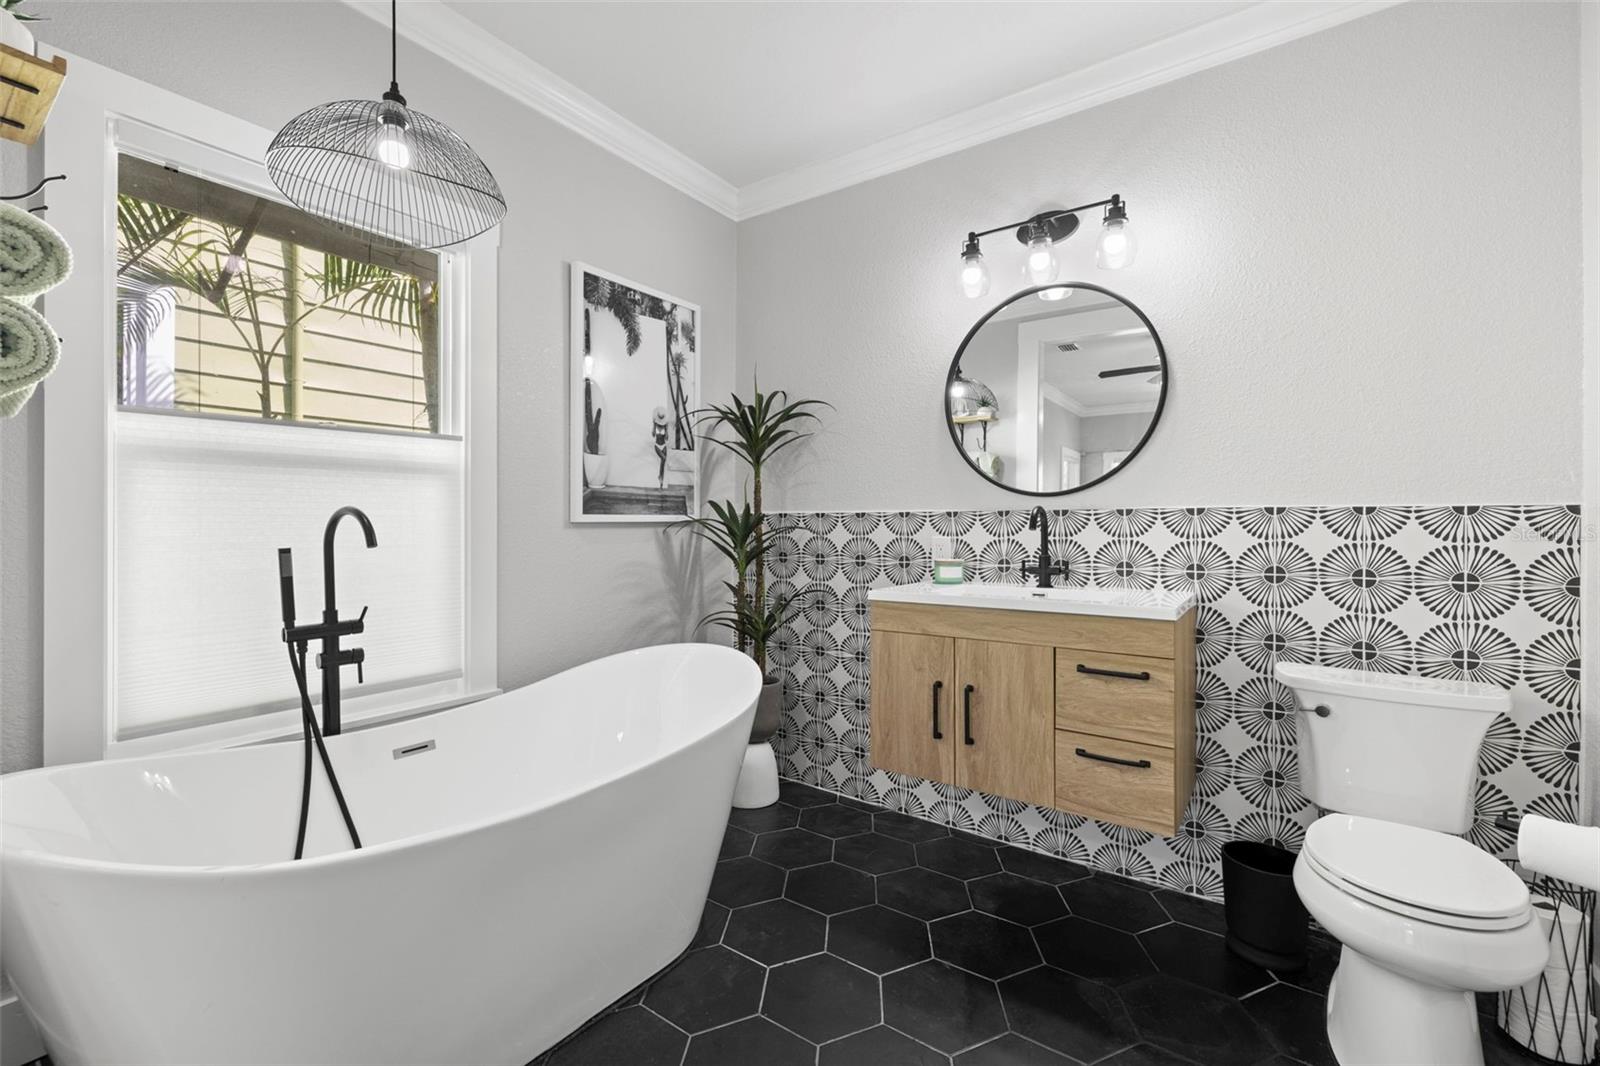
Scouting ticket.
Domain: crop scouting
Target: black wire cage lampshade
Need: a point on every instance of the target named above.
(384, 168)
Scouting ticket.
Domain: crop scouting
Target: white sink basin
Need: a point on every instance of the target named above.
(1112, 603)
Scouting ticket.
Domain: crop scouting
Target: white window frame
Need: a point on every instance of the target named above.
(99, 113)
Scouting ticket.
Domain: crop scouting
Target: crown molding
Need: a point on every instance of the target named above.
(1235, 36)
(434, 26)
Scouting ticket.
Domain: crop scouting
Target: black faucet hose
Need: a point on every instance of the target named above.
(312, 732)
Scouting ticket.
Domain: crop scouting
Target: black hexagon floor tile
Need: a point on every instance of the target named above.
(923, 893)
(633, 1035)
(904, 827)
(797, 795)
(880, 1046)
(988, 946)
(1295, 1021)
(792, 848)
(747, 1041)
(874, 853)
(1202, 958)
(1011, 1050)
(829, 888)
(822, 998)
(1016, 898)
(1194, 1022)
(1092, 950)
(765, 819)
(713, 920)
(1150, 1055)
(878, 939)
(940, 1005)
(1050, 870)
(836, 821)
(1068, 1014)
(707, 988)
(776, 931)
(1192, 910)
(1322, 959)
(957, 858)
(1115, 902)
(736, 843)
(739, 882)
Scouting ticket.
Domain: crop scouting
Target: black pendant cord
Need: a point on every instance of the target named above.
(394, 46)
(312, 732)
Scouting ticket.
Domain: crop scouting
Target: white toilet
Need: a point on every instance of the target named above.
(1425, 918)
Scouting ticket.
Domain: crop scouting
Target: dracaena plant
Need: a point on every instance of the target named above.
(755, 431)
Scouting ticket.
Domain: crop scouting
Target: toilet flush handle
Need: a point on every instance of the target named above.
(1321, 710)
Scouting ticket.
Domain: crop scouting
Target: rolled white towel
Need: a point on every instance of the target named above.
(29, 351)
(33, 257)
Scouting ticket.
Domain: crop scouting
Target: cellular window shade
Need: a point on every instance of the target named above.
(202, 505)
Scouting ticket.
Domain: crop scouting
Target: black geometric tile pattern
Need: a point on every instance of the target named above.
(1040, 960)
(1482, 593)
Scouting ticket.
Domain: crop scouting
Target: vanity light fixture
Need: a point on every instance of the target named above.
(386, 169)
(974, 272)
(1041, 234)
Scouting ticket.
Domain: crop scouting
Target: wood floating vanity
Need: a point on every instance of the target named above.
(1078, 699)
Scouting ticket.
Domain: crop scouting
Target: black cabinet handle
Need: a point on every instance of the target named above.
(1142, 675)
(1137, 764)
(966, 714)
(938, 687)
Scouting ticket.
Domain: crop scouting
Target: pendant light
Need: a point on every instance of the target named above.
(386, 169)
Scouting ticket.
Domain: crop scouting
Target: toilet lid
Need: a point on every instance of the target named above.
(1421, 872)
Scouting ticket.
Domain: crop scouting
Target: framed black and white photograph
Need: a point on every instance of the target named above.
(635, 388)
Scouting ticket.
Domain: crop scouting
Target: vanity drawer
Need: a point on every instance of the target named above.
(1139, 789)
(1126, 696)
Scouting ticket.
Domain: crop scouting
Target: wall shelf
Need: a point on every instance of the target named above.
(28, 87)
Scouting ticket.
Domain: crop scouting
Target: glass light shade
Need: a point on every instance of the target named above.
(974, 276)
(1060, 292)
(393, 148)
(1042, 265)
(1117, 245)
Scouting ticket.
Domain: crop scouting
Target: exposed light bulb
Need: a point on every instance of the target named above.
(974, 271)
(1117, 245)
(588, 368)
(394, 150)
(1060, 292)
(1042, 264)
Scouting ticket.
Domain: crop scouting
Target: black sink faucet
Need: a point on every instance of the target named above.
(1045, 568)
(331, 628)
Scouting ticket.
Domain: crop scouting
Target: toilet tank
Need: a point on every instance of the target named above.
(1400, 748)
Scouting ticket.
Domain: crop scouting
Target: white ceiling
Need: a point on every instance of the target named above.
(750, 106)
(751, 90)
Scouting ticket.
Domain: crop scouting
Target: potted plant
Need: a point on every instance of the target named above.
(596, 464)
(12, 30)
(755, 431)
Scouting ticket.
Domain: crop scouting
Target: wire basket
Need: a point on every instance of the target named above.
(1552, 1016)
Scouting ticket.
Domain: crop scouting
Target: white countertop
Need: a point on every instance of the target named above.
(1153, 604)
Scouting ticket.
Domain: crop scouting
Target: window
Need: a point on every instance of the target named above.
(234, 304)
(246, 370)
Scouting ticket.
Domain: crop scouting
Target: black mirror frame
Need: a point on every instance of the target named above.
(1155, 420)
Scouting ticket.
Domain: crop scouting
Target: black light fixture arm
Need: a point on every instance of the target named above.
(1043, 216)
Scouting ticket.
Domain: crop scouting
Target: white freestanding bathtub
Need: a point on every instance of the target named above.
(550, 851)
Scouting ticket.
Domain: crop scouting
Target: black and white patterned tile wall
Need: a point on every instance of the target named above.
(1483, 593)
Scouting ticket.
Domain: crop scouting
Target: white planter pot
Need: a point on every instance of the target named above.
(596, 468)
(15, 34)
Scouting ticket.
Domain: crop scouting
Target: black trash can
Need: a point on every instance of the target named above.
(1267, 923)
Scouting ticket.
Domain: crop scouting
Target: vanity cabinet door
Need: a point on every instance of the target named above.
(1005, 720)
(915, 716)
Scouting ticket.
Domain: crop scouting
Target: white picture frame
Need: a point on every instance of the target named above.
(635, 386)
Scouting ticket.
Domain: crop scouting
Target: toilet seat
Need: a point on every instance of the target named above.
(1419, 873)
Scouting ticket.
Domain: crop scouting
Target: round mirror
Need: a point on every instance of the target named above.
(1056, 389)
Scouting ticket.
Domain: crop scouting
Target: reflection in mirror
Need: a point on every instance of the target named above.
(1056, 389)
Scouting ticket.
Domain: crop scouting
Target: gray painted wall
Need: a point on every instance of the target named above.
(1335, 248)
(567, 593)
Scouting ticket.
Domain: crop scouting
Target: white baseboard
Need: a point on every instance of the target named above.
(19, 1042)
